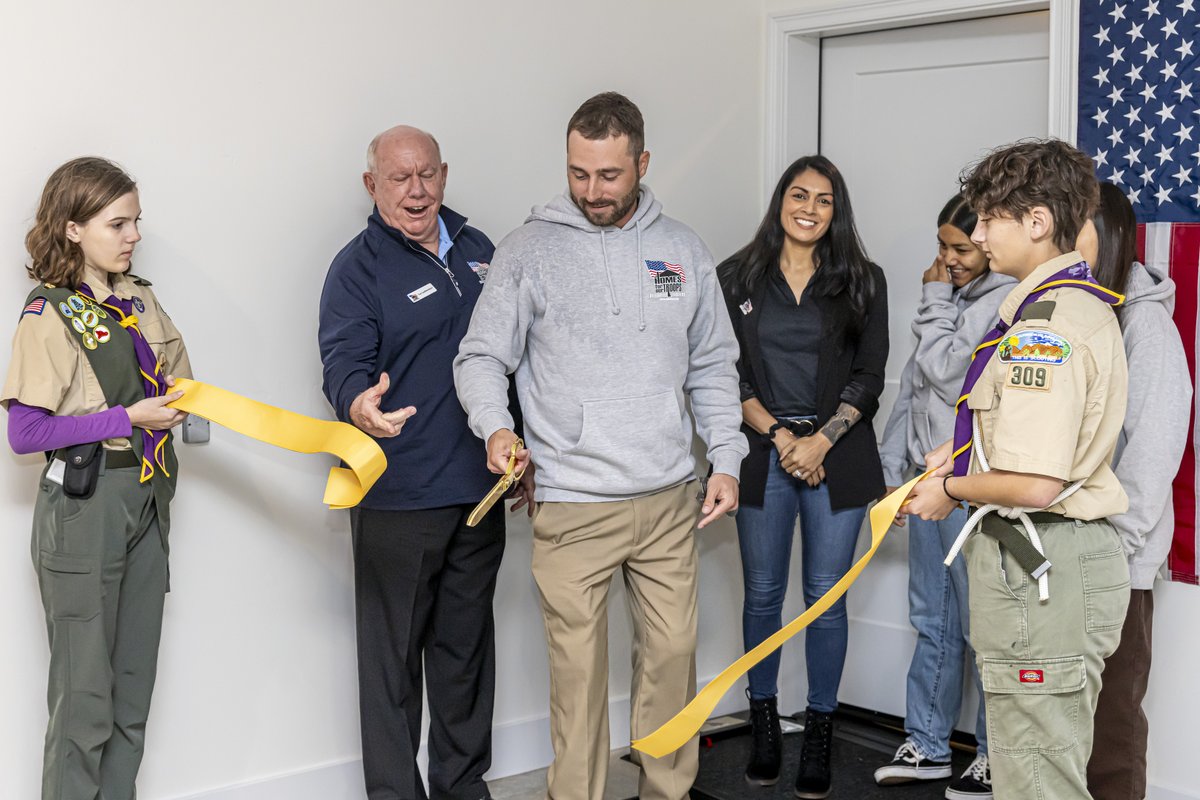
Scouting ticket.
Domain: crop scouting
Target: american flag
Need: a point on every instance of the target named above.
(35, 307)
(1139, 118)
(658, 268)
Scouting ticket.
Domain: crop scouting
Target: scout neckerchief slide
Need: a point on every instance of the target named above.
(502, 486)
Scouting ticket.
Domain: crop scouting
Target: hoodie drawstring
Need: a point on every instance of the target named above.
(612, 292)
(641, 279)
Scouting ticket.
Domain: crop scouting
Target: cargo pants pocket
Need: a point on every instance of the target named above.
(1033, 706)
(1105, 590)
(70, 586)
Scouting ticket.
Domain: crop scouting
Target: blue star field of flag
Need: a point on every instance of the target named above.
(1139, 102)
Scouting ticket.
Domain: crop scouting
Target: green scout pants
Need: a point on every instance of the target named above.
(102, 569)
(1040, 662)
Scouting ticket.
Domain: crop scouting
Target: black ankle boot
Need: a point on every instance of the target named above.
(814, 778)
(768, 742)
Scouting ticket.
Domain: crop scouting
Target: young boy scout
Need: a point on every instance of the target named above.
(1038, 421)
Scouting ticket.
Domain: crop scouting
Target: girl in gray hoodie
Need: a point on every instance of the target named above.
(960, 300)
(1146, 460)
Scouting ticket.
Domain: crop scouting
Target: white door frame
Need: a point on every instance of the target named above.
(793, 49)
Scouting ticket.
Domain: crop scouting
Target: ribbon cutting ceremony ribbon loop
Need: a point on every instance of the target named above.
(292, 431)
(675, 733)
(501, 488)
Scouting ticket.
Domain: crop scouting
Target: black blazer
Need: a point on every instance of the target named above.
(849, 370)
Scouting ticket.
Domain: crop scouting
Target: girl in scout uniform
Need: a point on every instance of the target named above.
(93, 359)
(1038, 421)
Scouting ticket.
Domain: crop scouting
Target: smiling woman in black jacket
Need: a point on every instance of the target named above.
(810, 313)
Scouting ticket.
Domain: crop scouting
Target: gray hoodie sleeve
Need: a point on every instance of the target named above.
(1155, 431)
(948, 336)
(893, 451)
(493, 347)
(712, 378)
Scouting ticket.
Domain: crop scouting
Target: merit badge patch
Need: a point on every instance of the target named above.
(422, 293)
(101, 333)
(90, 318)
(746, 307)
(1032, 676)
(66, 310)
(480, 269)
(669, 279)
(139, 305)
(78, 325)
(76, 303)
(1034, 347)
(37, 306)
(89, 341)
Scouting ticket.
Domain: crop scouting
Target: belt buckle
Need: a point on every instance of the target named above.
(802, 427)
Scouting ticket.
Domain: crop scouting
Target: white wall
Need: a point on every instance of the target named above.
(245, 123)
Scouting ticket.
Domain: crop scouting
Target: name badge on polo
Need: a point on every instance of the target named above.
(420, 294)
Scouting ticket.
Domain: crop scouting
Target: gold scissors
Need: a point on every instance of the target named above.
(502, 486)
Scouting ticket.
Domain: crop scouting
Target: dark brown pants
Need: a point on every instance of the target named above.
(1117, 769)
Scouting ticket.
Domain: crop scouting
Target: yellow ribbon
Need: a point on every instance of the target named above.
(676, 732)
(292, 431)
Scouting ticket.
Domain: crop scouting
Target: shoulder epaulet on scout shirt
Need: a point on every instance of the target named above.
(140, 281)
(1042, 309)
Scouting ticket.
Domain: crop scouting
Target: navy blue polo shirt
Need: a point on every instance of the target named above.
(391, 305)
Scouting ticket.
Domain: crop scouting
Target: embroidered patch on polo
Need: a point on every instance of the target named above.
(480, 269)
(1034, 347)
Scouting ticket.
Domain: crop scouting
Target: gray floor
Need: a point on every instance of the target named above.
(622, 782)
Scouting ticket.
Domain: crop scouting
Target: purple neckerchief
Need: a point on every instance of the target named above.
(1079, 276)
(152, 381)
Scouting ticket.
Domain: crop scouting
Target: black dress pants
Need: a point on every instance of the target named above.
(424, 584)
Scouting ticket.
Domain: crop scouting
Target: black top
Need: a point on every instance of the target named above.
(790, 336)
(850, 369)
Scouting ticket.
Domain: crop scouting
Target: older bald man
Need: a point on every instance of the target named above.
(396, 302)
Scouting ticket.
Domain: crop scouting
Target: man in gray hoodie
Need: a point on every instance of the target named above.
(610, 315)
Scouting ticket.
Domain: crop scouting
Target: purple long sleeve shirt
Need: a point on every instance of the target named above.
(33, 429)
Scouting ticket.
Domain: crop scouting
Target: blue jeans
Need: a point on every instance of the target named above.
(937, 608)
(827, 539)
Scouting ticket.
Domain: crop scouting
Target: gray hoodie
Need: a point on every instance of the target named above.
(1156, 421)
(608, 330)
(950, 323)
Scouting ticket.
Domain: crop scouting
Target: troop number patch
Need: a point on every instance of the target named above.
(1027, 376)
(1034, 347)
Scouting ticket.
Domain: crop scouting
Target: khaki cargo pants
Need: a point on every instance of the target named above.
(1041, 662)
(577, 548)
(102, 570)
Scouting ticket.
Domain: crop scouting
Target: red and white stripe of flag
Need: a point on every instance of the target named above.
(1176, 248)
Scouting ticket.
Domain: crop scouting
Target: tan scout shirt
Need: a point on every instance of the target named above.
(1060, 416)
(50, 368)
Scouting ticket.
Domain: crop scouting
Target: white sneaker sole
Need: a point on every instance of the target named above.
(951, 794)
(892, 776)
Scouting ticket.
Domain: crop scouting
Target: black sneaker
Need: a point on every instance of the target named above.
(910, 764)
(974, 784)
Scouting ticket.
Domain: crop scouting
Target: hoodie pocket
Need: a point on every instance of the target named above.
(633, 438)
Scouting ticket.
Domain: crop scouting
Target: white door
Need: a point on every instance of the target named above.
(900, 116)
